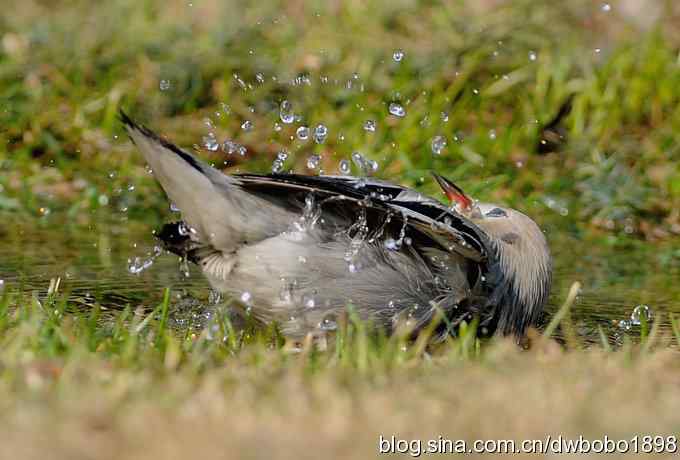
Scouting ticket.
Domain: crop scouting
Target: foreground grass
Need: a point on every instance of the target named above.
(73, 386)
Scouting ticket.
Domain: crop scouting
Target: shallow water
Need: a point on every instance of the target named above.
(93, 263)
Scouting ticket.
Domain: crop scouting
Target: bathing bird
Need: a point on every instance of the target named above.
(301, 250)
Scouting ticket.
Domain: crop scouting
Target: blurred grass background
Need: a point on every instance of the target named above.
(559, 108)
(565, 110)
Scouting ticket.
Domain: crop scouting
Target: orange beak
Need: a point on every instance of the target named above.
(453, 192)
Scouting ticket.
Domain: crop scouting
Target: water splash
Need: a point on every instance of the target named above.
(313, 162)
(640, 313)
(310, 215)
(138, 265)
(320, 134)
(398, 55)
(210, 142)
(438, 144)
(369, 126)
(286, 112)
(344, 167)
(397, 110)
(302, 133)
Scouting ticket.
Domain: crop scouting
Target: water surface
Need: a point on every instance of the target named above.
(93, 263)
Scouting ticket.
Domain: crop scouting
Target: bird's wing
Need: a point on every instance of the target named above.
(428, 217)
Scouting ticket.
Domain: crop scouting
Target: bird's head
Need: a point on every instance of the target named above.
(522, 255)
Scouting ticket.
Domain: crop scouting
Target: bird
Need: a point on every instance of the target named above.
(300, 251)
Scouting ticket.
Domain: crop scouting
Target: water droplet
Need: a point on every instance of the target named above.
(277, 166)
(625, 325)
(259, 77)
(137, 265)
(164, 85)
(320, 133)
(286, 112)
(246, 297)
(277, 127)
(445, 117)
(313, 161)
(173, 207)
(247, 125)
(532, 55)
(639, 313)
(308, 301)
(397, 109)
(328, 323)
(359, 160)
(598, 50)
(606, 7)
(438, 144)
(369, 125)
(344, 167)
(398, 55)
(372, 166)
(492, 134)
(302, 133)
(210, 142)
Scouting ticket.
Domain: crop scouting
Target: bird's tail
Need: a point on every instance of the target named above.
(199, 191)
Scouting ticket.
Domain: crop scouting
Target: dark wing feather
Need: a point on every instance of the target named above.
(426, 216)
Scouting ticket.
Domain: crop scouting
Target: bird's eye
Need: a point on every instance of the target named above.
(496, 212)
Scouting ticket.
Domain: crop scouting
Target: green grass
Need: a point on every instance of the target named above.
(125, 384)
(129, 387)
(615, 168)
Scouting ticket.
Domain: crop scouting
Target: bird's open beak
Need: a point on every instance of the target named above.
(453, 192)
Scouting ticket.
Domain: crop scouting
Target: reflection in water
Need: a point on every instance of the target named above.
(94, 266)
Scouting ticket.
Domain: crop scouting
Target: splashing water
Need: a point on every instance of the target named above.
(369, 126)
(230, 147)
(328, 323)
(310, 215)
(247, 125)
(277, 165)
(344, 167)
(286, 112)
(210, 142)
(137, 265)
(164, 85)
(640, 313)
(302, 133)
(320, 133)
(398, 55)
(397, 110)
(313, 162)
(359, 161)
(438, 144)
(358, 232)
